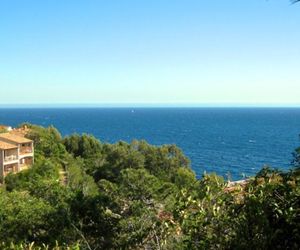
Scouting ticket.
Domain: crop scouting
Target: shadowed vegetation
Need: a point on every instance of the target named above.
(84, 194)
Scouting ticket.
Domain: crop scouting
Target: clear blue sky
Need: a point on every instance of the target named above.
(156, 51)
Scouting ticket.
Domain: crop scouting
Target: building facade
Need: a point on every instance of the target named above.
(16, 153)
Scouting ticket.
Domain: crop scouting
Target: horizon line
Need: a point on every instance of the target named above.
(150, 105)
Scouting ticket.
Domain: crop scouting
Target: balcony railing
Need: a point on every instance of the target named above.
(10, 158)
(25, 150)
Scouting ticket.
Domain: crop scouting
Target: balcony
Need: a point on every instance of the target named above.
(11, 168)
(26, 150)
(10, 158)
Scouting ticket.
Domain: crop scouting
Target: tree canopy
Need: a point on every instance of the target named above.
(84, 194)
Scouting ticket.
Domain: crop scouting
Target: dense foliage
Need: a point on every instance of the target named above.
(84, 194)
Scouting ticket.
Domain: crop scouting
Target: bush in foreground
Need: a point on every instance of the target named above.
(83, 194)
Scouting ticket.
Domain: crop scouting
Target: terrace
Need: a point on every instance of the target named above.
(10, 155)
(26, 148)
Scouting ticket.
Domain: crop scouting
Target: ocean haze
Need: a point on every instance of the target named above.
(234, 141)
(150, 105)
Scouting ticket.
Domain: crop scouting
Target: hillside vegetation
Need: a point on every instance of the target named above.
(84, 194)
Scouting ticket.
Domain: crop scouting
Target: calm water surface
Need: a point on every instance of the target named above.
(238, 141)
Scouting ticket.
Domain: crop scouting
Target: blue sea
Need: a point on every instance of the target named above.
(233, 142)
